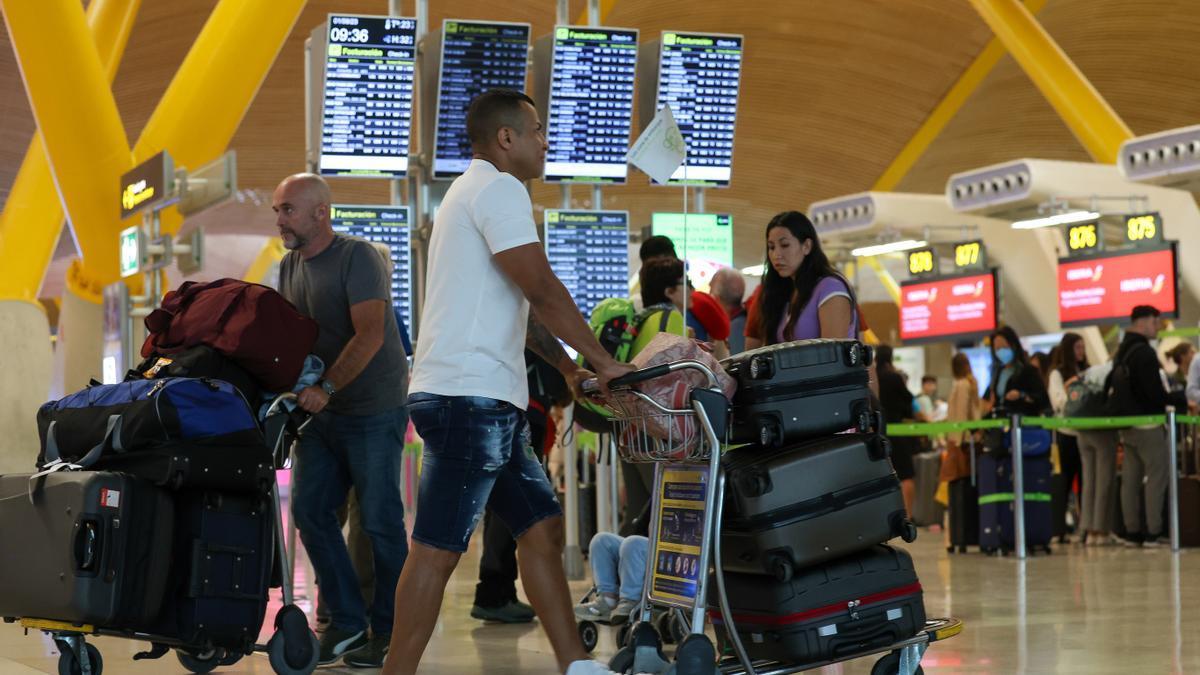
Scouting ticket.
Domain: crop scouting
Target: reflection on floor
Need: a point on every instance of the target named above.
(1096, 610)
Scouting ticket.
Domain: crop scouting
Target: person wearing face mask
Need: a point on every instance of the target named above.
(1016, 385)
(802, 296)
(1145, 466)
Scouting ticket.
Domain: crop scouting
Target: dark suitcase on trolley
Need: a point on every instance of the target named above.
(792, 507)
(926, 509)
(91, 547)
(223, 557)
(963, 515)
(866, 601)
(797, 390)
(997, 530)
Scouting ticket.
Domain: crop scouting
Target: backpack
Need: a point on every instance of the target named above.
(1085, 400)
(1119, 397)
(614, 323)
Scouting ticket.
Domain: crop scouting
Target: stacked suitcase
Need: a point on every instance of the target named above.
(809, 505)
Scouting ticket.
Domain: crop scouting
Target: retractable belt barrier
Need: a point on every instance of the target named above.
(1170, 420)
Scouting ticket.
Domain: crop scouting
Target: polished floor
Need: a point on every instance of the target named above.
(1080, 610)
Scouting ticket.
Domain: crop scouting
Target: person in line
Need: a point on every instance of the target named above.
(802, 296)
(927, 400)
(729, 288)
(1098, 459)
(1043, 363)
(1071, 362)
(356, 438)
(898, 407)
(705, 317)
(1016, 385)
(1182, 355)
(1144, 472)
(490, 292)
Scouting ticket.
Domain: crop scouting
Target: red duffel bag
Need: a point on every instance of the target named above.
(253, 325)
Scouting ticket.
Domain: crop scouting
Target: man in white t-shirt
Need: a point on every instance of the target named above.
(490, 292)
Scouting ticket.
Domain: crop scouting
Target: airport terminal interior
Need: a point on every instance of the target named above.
(981, 475)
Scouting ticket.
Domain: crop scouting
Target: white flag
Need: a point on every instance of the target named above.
(660, 150)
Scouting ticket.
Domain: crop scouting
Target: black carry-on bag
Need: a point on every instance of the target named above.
(798, 390)
(789, 508)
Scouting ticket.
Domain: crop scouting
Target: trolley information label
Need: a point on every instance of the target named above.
(680, 520)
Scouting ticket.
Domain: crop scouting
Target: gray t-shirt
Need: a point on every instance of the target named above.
(324, 287)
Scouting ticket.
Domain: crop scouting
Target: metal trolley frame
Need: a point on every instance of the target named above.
(699, 445)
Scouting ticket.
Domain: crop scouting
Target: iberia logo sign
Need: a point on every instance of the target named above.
(1107, 289)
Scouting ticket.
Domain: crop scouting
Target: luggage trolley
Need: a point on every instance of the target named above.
(684, 542)
(293, 648)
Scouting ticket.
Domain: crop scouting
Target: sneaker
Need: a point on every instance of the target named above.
(1156, 542)
(596, 610)
(370, 655)
(513, 612)
(336, 642)
(588, 668)
(621, 613)
(1131, 543)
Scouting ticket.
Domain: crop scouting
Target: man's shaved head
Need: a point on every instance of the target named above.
(302, 204)
(309, 186)
(729, 287)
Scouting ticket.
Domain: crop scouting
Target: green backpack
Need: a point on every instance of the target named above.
(614, 323)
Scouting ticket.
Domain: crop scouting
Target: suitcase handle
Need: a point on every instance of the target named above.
(86, 548)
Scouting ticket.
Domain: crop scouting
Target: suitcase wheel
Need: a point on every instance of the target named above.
(752, 484)
(769, 435)
(293, 649)
(200, 663)
(889, 664)
(761, 368)
(68, 658)
(854, 355)
(780, 567)
(589, 635)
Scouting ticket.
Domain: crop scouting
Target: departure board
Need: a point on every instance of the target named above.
(590, 112)
(698, 76)
(589, 252)
(476, 57)
(704, 240)
(368, 94)
(384, 225)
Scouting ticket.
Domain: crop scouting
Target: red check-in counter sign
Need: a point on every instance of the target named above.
(1107, 288)
(956, 307)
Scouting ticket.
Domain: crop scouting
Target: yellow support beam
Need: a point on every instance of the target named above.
(885, 278)
(945, 110)
(88, 151)
(202, 107)
(271, 253)
(1094, 123)
(605, 9)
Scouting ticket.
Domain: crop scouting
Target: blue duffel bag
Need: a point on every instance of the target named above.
(105, 420)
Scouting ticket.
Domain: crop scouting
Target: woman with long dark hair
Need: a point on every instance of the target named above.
(1016, 383)
(802, 295)
(1070, 359)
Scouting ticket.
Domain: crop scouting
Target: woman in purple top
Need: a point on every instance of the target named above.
(802, 296)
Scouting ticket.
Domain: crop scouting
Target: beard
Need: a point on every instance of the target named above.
(296, 242)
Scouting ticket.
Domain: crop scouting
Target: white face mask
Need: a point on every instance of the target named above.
(1154, 343)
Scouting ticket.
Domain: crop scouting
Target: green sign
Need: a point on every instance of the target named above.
(705, 240)
(130, 251)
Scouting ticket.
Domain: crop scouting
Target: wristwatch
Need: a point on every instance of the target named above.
(327, 387)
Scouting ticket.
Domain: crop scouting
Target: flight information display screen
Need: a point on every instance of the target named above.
(590, 113)
(366, 117)
(386, 225)
(589, 252)
(698, 76)
(476, 57)
(704, 240)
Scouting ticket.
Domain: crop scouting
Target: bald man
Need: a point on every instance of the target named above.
(357, 435)
(729, 287)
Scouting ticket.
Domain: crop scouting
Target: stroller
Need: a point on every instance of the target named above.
(292, 649)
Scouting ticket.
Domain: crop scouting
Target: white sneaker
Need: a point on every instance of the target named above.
(588, 668)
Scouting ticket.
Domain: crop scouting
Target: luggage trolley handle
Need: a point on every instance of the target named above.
(627, 380)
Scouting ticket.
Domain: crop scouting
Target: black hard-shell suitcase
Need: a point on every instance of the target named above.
(997, 515)
(926, 509)
(84, 547)
(963, 515)
(792, 507)
(223, 563)
(865, 601)
(803, 389)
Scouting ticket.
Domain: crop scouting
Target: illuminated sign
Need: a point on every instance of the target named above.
(699, 76)
(386, 225)
(589, 253)
(922, 262)
(1105, 288)
(476, 57)
(366, 114)
(148, 185)
(590, 113)
(1084, 238)
(704, 240)
(958, 307)
(1144, 229)
(970, 255)
(130, 251)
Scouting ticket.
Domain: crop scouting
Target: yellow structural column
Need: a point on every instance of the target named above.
(1075, 100)
(33, 217)
(77, 119)
(210, 93)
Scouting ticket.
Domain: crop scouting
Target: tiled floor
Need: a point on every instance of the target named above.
(1078, 611)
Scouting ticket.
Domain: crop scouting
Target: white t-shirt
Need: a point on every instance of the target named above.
(473, 323)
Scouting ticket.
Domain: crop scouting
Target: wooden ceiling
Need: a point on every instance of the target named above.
(832, 90)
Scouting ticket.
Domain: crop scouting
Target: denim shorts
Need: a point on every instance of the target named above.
(477, 454)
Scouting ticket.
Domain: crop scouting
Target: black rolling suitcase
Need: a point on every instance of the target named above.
(865, 601)
(803, 389)
(997, 512)
(793, 507)
(963, 515)
(84, 547)
(223, 563)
